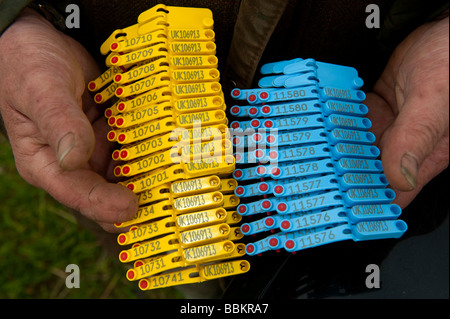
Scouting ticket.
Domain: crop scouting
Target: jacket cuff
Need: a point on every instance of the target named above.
(9, 11)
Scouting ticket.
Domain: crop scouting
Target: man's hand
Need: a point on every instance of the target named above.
(409, 109)
(57, 134)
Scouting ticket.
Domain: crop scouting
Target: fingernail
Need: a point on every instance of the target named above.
(410, 168)
(65, 145)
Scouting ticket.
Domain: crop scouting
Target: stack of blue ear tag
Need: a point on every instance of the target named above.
(305, 160)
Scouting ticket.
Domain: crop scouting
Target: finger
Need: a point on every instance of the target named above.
(53, 106)
(420, 125)
(81, 189)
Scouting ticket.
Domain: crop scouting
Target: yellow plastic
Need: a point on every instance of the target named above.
(197, 202)
(193, 61)
(228, 185)
(223, 269)
(201, 236)
(192, 48)
(147, 53)
(189, 90)
(191, 35)
(142, 71)
(195, 274)
(210, 166)
(146, 213)
(180, 17)
(104, 79)
(156, 265)
(141, 115)
(144, 85)
(230, 201)
(202, 218)
(145, 147)
(200, 132)
(206, 118)
(143, 131)
(154, 96)
(195, 185)
(168, 113)
(233, 217)
(148, 163)
(148, 230)
(149, 248)
(182, 277)
(206, 149)
(106, 94)
(155, 194)
(208, 252)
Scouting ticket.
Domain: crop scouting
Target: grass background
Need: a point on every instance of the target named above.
(39, 238)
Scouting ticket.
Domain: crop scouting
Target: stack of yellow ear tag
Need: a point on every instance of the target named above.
(168, 116)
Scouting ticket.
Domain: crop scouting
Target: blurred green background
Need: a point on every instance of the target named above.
(39, 238)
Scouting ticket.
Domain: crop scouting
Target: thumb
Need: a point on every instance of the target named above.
(421, 123)
(54, 103)
(59, 116)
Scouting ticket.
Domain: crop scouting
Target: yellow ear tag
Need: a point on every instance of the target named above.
(155, 194)
(197, 202)
(156, 265)
(145, 147)
(149, 248)
(142, 131)
(129, 32)
(195, 274)
(179, 17)
(196, 185)
(200, 236)
(148, 231)
(146, 213)
(148, 163)
(202, 218)
(208, 252)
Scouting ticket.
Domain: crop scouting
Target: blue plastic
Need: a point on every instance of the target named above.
(307, 158)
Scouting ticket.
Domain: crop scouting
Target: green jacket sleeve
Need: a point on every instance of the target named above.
(9, 10)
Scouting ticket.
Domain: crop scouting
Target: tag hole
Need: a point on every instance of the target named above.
(219, 115)
(122, 34)
(389, 193)
(214, 181)
(209, 34)
(395, 209)
(361, 95)
(228, 246)
(370, 137)
(216, 87)
(401, 225)
(224, 229)
(363, 109)
(212, 59)
(162, 10)
(214, 73)
(347, 231)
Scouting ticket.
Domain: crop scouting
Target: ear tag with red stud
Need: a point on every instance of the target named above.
(174, 151)
(307, 151)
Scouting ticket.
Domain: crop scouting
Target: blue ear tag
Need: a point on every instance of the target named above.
(329, 74)
(304, 155)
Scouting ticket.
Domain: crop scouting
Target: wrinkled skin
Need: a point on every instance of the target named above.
(57, 133)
